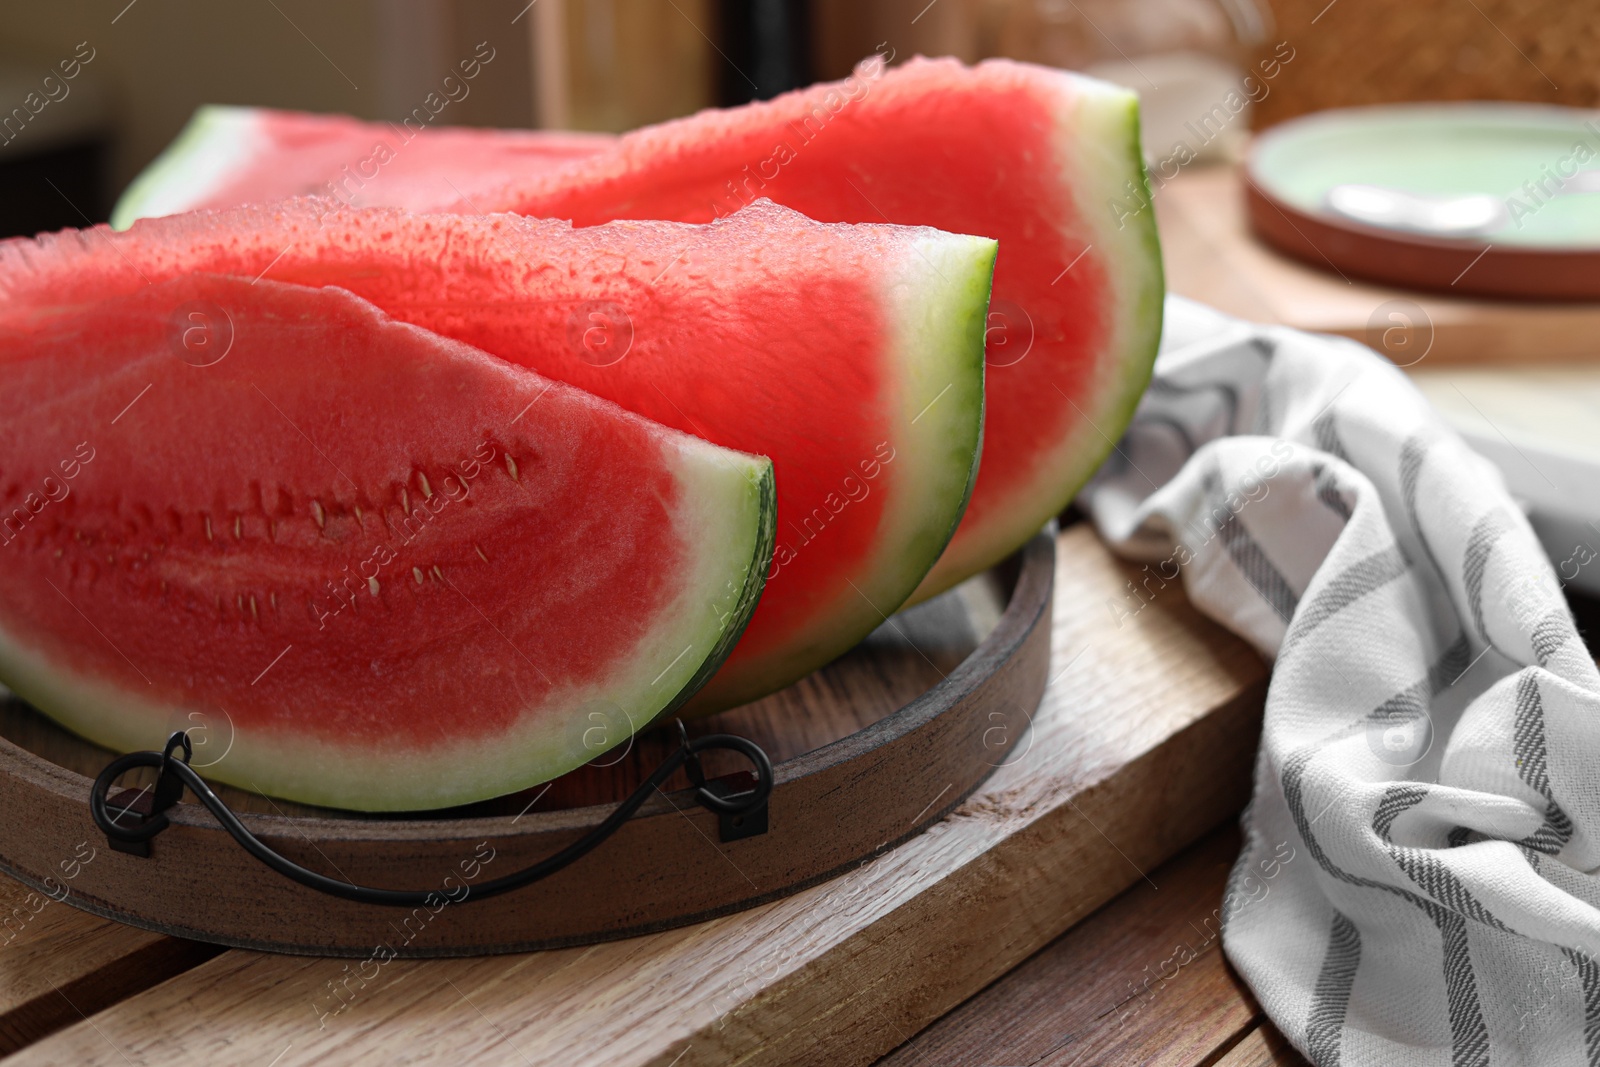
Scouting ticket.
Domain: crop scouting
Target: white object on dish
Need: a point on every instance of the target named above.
(1469, 215)
(1397, 209)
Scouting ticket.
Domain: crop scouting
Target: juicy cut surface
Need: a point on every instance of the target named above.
(1040, 160)
(290, 495)
(356, 542)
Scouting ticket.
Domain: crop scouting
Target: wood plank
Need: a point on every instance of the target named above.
(1142, 980)
(1144, 740)
(1211, 257)
(58, 964)
(1263, 1047)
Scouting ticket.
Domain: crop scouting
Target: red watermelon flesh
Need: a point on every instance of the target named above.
(851, 355)
(239, 155)
(385, 569)
(1045, 161)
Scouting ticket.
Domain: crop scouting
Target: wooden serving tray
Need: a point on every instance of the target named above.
(849, 745)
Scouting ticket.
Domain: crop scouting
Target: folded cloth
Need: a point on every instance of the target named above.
(1416, 883)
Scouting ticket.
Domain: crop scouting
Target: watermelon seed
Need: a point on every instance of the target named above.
(372, 586)
(480, 553)
(238, 602)
(416, 573)
(208, 526)
(238, 527)
(254, 614)
(511, 467)
(437, 573)
(405, 500)
(272, 598)
(427, 490)
(318, 514)
(358, 517)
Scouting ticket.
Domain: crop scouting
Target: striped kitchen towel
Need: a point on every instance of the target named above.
(1416, 885)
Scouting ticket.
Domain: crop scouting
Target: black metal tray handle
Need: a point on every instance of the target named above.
(742, 814)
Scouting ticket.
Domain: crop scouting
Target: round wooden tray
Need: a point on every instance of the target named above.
(868, 752)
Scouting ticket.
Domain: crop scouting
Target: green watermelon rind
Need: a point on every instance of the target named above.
(749, 594)
(936, 297)
(1120, 115)
(1103, 116)
(953, 338)
(204, 149)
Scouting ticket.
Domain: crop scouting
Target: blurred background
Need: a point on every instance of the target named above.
(615, 64)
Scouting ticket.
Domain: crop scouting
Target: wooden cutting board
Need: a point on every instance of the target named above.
(1144, 740)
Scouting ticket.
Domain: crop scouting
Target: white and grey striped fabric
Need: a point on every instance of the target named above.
(1417, 883)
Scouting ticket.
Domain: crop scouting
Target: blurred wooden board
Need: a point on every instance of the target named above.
(1541, 409)
(59, 965)
(1141, 981)
(1144, 741)
(1211, 257)
(1262, 1047)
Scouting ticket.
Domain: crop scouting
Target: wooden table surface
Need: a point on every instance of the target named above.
(1106, 992)
(1110, 991)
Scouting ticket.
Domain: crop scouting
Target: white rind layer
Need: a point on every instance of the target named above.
(940, 296)
(216, 142)
(1098, 155)
(935, 294)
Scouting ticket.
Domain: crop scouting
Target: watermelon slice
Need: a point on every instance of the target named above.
(404, 573)
(1045, 161)
(851, 355)
(238, 155)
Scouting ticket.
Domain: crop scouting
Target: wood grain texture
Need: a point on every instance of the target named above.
(1263, 1047)
(59, 965)
(832, 807)
(1211, 257)
(1142, 981)
(1144, 740)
